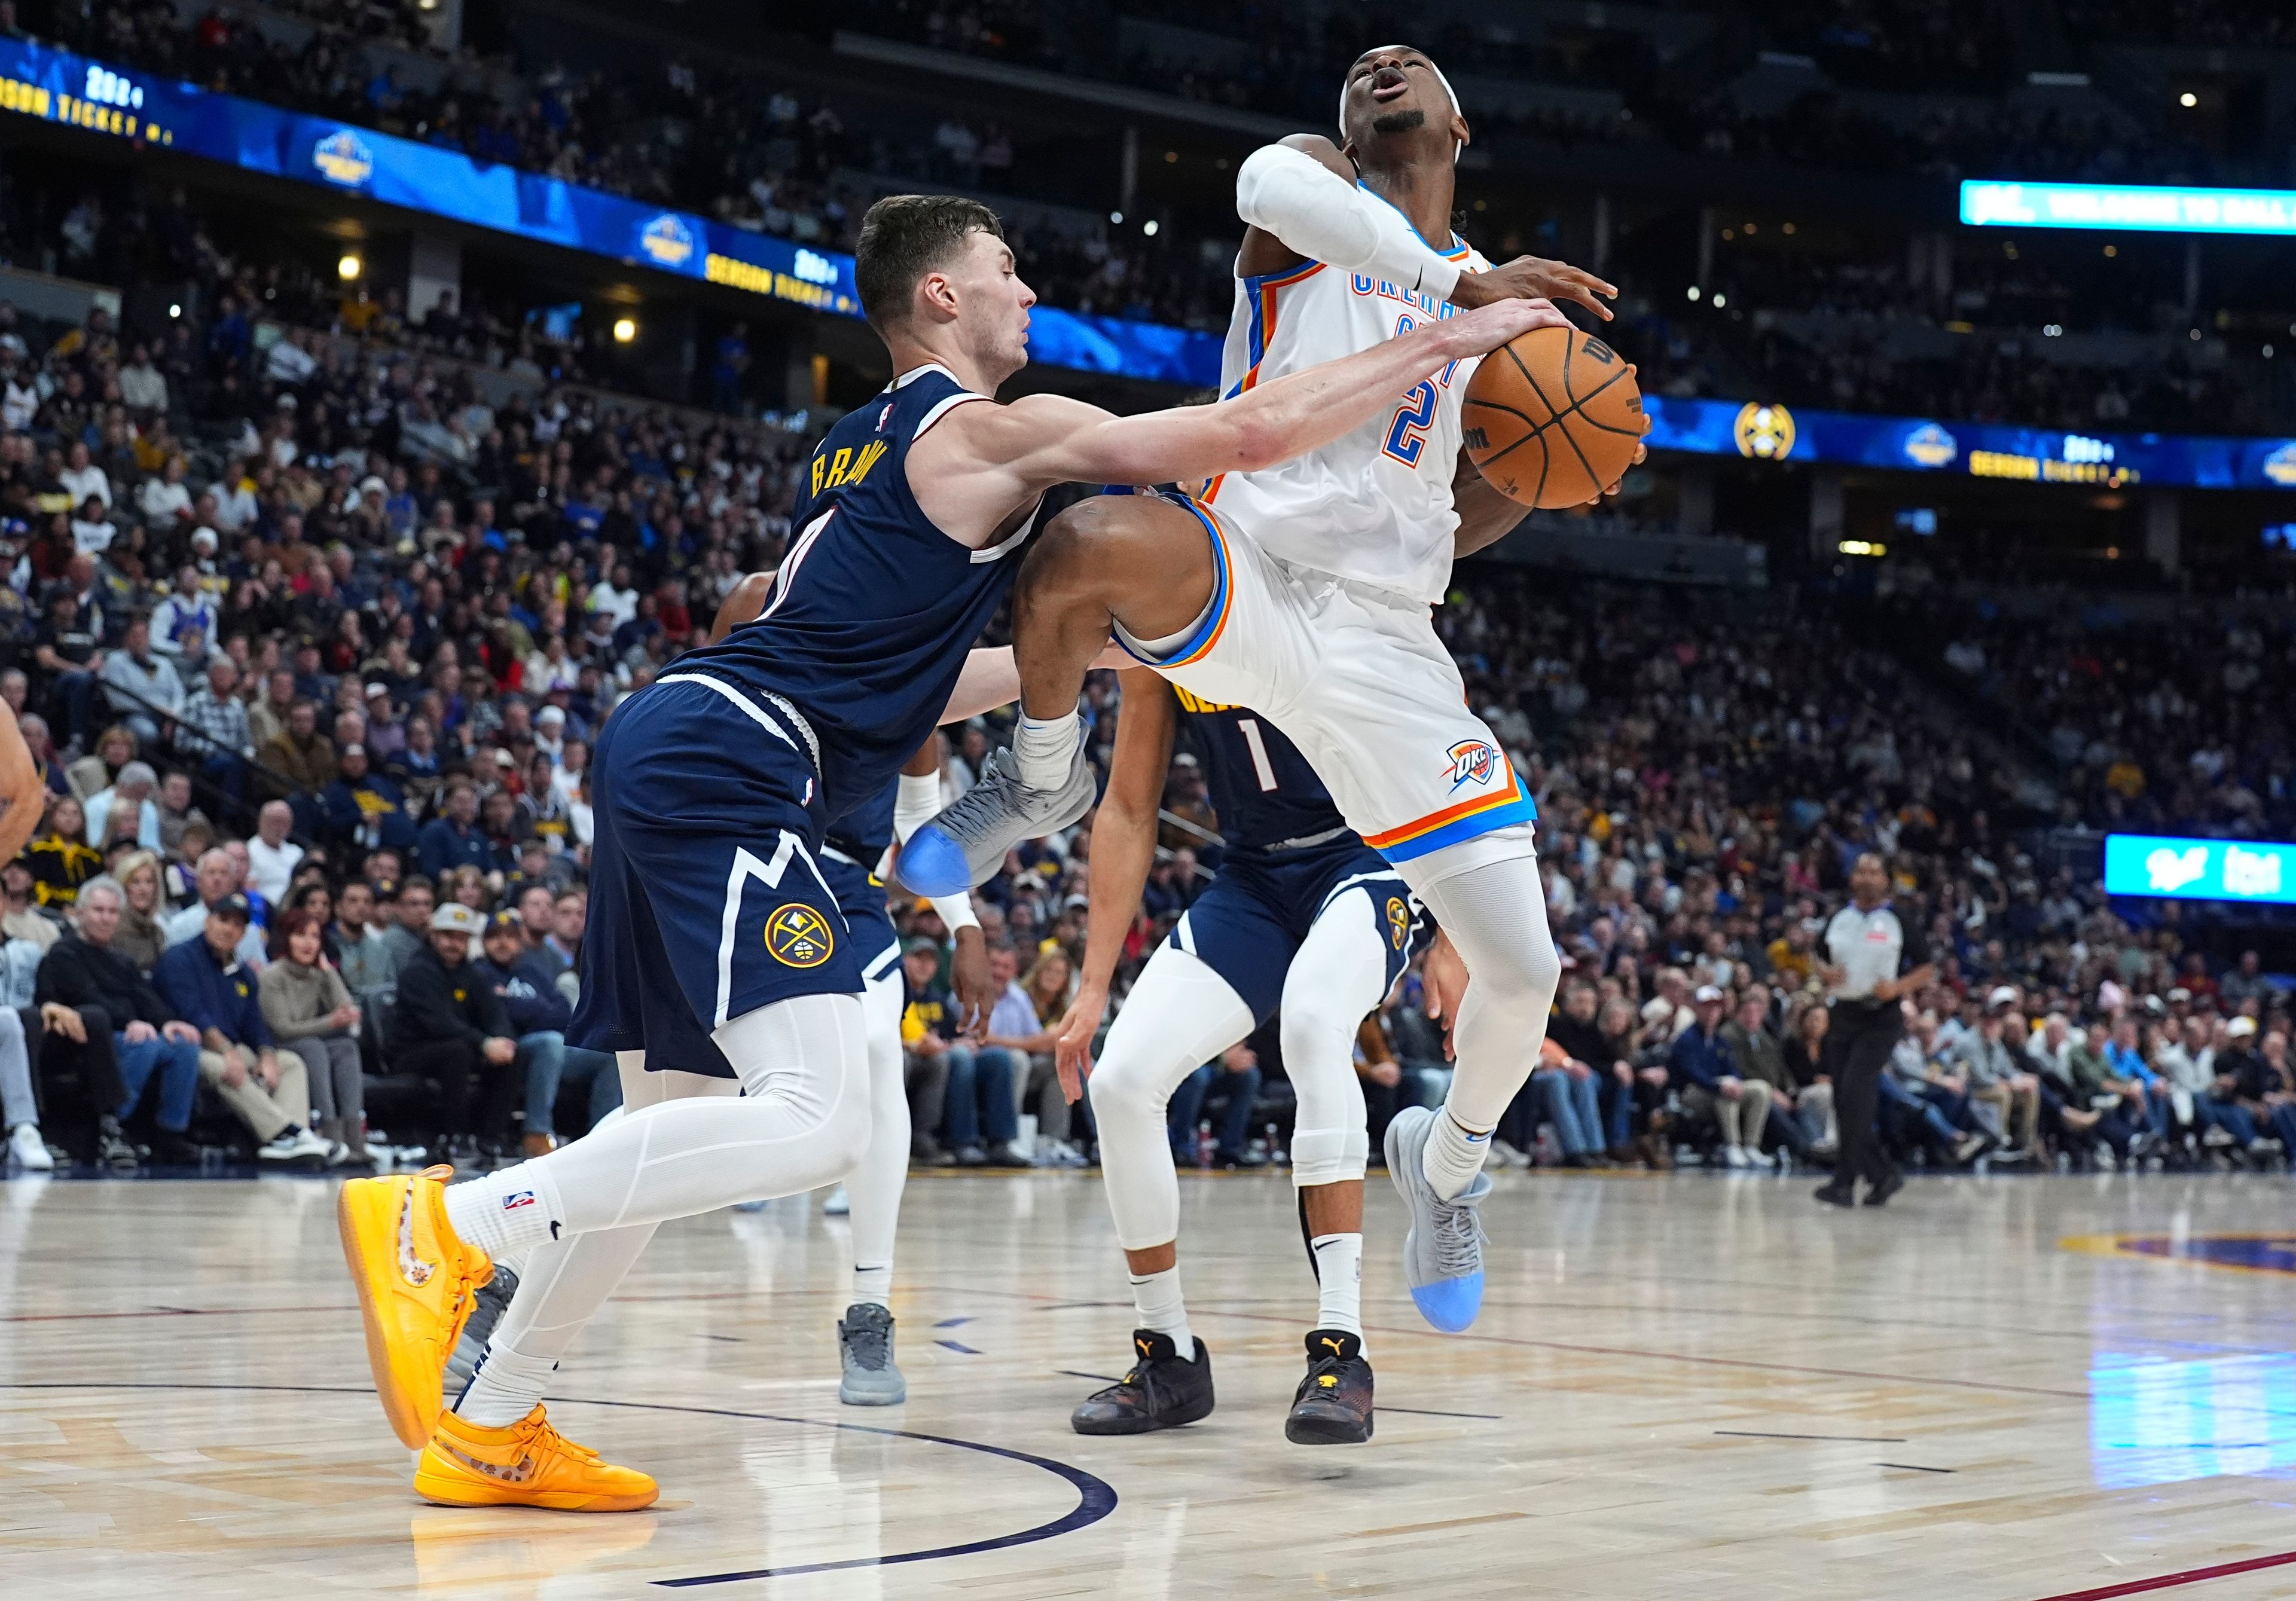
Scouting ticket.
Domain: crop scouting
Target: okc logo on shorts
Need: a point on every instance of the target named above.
(512, 1202)
(1472, 761)
(797, 936)
(1398, 921)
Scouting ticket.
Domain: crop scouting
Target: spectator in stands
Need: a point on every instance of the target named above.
(1233, 1083)
(68, 647)
(185, 620)
(2248, 1097)
(141, 936)
(452, 839)
(1567, 1088)
(408, 933)
(538, 1017)
(1707, 1079)
(215, 712)
(131, 794)
(364, 809)
(302, 756)
(60, 857)
(1755, 1053)
(929, 1046)
(365, 958)
(2006, 1099)
(310, 1012)
(271, 856)
(450, 1027)
(113, 1030)
(22, 920)
(2244, 982)
(208, 986)
(141, 685)
(217, 877)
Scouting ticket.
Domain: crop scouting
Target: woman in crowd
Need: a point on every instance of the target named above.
(311, 1013)
(467, 885)
(60, 857)
(1805, 1055)
(141, 939)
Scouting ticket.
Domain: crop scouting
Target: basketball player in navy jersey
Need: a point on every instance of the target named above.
(1302, 915)
(854, 853)
(720, 968)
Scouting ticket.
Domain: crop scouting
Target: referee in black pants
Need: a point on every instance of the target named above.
(1868, 945)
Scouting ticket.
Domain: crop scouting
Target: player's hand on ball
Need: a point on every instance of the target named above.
(976, 990)
(1445, 977)
(1641, 455)
(1488, 327)
(1072, 1045)
(1533, 278)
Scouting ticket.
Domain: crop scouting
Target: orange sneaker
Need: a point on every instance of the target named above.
(416, 1283)
(529, 1463)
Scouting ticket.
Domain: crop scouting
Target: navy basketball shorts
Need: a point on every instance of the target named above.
(707, 898)
(1248, 922)
(861, 898)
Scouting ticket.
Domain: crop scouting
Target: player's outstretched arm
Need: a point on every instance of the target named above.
(1123, 847)
(1046, 439)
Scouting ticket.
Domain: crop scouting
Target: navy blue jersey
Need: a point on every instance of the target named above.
(1263, 789)
(866, 831)
(873, 609)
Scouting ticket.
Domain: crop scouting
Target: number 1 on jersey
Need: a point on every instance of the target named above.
(1260, 766)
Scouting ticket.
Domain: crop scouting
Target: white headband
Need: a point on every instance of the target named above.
(1440, 78)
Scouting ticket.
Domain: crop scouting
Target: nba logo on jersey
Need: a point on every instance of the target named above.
(1472, 761)
(512, 1202)
(883, 415)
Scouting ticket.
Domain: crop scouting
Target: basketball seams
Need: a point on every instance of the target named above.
(1552, 470)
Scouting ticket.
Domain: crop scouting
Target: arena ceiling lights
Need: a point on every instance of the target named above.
(2130, 207)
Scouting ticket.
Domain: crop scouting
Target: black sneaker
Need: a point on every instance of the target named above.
(1879, 1196)
(1837, 1194)
(1161, 1391)
(1333, 1406)
(111, 1147)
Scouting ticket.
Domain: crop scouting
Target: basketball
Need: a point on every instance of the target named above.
(1552, 417)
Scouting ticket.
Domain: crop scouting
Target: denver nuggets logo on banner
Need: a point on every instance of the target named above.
(1929, 446)
(343, 158)
(797, 936)
(667, 241)
(1766, 432)
(2280, 466)
(1472, 761)
(1398, 921)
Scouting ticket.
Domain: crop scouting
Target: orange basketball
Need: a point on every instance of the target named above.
(1552, 417)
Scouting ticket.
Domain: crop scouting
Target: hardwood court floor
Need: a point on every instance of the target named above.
(1702, 1386)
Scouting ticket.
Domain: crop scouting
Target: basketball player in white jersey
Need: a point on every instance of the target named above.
(1303, 590)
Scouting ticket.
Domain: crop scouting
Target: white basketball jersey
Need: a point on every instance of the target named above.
(1374, 505)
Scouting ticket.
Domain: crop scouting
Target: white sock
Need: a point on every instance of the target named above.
(506, 1387)
(1046, 750)
(1162, 1310)
(1339, 1271)
(1453, 1155)
(509, 1213)
(873, 1284)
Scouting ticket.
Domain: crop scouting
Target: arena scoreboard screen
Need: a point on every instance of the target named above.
(2144, 208)
(2170, 868)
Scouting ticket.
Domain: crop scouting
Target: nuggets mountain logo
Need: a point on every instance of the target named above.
(1764, 432)
(1929, 446)
(343, 158)
(797, 936)
(1472, 761)
(1398, 921)
(2280, 466)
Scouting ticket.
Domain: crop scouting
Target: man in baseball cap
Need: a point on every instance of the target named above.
(449, 1026)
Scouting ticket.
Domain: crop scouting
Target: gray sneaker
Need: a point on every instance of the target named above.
(1443, 1249)
(967, 842)
(487, 1308)
(864, 1340)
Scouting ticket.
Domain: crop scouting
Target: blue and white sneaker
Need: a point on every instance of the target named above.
(1443, 1249)
(966, 843)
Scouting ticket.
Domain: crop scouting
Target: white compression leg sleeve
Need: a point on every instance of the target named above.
(1178, 1016)
(874, 1189)
(562, 1283)
(1339, 974)
(1495, 912)
(803, 1121)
